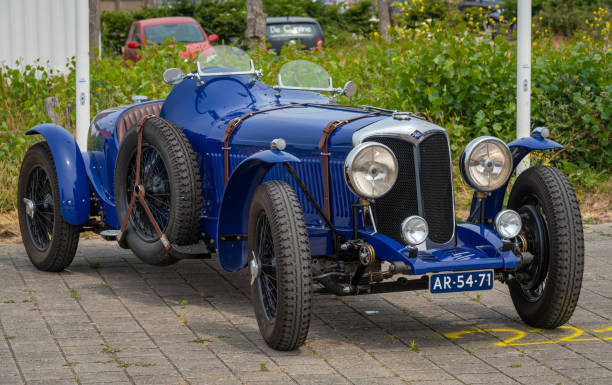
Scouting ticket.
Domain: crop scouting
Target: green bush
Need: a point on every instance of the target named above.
(462, 79)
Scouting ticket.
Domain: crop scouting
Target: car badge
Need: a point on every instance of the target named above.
(417, 134)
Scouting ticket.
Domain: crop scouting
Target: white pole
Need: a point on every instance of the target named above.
(523, 74)
(82, 72)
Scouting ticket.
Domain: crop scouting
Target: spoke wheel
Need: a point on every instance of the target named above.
(41, 217)
(49, 240)
(266, 261)
(552, 226)
(170, 175)
(280, 266)
(154, 177)
(535, 233)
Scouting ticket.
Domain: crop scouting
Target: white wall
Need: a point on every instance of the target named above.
(33, 29)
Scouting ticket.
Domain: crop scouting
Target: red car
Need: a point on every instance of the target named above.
(154, 31)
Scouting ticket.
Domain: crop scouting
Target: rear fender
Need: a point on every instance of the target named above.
(233, 222)
(519, 149)
(71, 175)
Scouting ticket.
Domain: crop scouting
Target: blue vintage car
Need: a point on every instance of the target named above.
(298, 189)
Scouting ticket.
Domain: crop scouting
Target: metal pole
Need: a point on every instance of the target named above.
(82, 72)
(523, 75)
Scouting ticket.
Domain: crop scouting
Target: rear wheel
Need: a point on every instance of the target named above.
(49, 240)
(170, 175)
(280, 265)
(548, 289)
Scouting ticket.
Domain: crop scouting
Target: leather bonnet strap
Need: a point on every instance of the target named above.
(234, 123)
(324, 147)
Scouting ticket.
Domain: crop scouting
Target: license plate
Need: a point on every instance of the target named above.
(461, 281)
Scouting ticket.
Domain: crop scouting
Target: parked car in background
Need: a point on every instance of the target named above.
(155, 31)
(293, 30)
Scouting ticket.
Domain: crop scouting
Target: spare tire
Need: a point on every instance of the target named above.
(170, 175)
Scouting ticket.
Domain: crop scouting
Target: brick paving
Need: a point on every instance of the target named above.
(110, 319)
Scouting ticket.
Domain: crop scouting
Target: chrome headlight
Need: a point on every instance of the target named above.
(508, 223)
(370, 170)
(486, 163)
(414, 230)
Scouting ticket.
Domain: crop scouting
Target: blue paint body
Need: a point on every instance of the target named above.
(203, 111)
(70, 169)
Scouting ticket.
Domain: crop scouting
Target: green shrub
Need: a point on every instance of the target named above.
(464, 80)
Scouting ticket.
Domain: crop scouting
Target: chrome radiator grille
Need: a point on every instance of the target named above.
(424, 187)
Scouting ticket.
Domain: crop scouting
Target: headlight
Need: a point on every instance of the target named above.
(414, 230)
(508, 223)
(486, 163)
(370, 170)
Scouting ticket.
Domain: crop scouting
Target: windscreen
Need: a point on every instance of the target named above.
(225, 56)
(182, 32)
(303, 73)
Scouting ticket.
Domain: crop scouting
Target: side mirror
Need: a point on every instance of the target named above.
(350, 88)
(213, 37)
(133, 44)
(173, 76)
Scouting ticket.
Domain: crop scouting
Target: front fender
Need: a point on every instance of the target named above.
(234, 213)
(519, 149)
(71, 175)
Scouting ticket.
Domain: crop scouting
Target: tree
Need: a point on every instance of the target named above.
(256, 22)
(384, 18)
(94, 29)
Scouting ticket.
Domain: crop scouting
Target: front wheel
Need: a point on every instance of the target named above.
(547, 293)
(280, 265)
(49, 240)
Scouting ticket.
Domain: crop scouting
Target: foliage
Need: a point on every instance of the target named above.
(412, 13)
(227, 18)
(462, 78)
(563, 17)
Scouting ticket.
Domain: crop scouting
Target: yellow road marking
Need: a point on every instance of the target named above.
(519, 334)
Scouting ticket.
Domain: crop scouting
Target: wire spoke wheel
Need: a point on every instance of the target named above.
(154, 177)
(545, 292)
(49, 240)
(280, 265)
(267, 263)
(40, 222)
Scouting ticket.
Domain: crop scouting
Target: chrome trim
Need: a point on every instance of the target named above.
(405, 129)
(467, 153)
(389, 126)
(348, 167)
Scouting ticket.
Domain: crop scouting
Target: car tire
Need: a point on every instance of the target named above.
(552, 227)
(278, 241)
(173, 190)
(49, 240)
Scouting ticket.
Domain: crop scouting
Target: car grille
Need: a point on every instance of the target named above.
(424, 190)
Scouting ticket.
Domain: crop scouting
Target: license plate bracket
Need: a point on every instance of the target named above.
(458, 281)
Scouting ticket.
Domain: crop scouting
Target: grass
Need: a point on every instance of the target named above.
(95, 265)
(109, 349)
(9, 301)
(263, 367)
(476, 299)
(515, 365)
(200, 340)
(71, 364)
(74, 295)
(122, 364)
(413, 347)
(183, 303)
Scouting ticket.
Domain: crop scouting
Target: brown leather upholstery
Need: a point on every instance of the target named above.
(133, 115)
